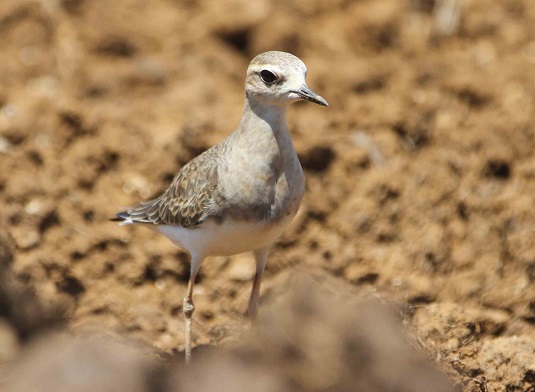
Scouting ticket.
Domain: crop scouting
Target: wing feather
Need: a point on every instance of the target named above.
(189, 199)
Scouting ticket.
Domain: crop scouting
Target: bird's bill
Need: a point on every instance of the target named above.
(306, 93)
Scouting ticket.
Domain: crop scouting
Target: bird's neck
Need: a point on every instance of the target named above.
(264, 131)
(260, 116)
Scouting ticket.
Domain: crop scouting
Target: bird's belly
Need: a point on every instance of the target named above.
(224, 239)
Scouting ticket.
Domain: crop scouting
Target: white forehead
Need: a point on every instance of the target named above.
(278, 61)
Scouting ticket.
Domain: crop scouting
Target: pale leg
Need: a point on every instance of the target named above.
(261, 256)
(188, 307)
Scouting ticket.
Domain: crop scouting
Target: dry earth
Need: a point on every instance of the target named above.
(420, 175)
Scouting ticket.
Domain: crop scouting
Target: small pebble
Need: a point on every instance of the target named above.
(8, 342)
(5, 145)
(25, 239)
(241, 270)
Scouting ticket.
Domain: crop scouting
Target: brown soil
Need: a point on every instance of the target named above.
(420, 175)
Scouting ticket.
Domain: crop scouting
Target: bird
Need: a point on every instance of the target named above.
(241, 194)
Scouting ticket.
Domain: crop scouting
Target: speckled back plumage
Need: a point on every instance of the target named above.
(190, 199)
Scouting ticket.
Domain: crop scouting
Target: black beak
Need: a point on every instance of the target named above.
(306, 93)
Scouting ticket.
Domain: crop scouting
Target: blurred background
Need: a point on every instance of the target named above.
(420, 174)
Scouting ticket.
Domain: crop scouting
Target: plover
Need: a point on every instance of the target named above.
(241, 194)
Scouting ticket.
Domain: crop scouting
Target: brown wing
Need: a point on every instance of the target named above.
(188, 200)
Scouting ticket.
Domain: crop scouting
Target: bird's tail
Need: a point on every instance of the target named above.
(123, 218)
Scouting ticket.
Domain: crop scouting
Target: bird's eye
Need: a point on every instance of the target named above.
(268, 77)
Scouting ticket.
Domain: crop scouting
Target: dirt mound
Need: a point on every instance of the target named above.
(310, 339)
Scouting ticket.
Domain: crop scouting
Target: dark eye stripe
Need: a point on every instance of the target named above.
(267, 76)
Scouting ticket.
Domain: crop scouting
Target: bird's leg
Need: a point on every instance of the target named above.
(261, 256)
(188, 307)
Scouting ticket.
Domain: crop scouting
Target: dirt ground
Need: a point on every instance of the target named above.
(420, 175)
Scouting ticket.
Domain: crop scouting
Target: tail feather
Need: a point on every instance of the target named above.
(138, 214)
(121, 217)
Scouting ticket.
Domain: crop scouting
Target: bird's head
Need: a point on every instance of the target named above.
(278, 78)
